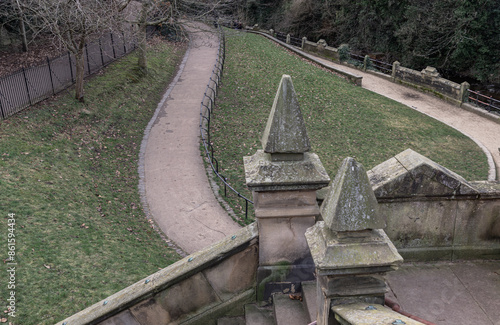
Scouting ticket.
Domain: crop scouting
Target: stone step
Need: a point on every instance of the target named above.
(239, 320)
(289, 311)
(310, 299)
(255, 315)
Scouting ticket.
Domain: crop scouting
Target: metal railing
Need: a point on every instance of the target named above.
(381, 66)
(371, 64)
(487, 102)
(206, 109)
(31, 85)
(281, 36)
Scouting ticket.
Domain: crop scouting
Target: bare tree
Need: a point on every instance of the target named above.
(157, 13)
(73, 23)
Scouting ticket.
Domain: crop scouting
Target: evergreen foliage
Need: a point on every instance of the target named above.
(451, 35)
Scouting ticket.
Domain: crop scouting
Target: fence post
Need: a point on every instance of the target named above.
(113, 45)
(88, 61)
(50, 74)
(100, 48)
(27, 88)
(124, 43)
(395, 67)
(71, 68)
(1, 109)
(464, 92)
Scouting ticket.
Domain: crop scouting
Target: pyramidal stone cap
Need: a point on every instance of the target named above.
(350, 205)
(285, 131)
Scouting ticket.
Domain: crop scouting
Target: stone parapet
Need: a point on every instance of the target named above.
(198, 289)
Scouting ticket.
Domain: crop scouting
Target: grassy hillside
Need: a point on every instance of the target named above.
(342, 119)
(68, 174)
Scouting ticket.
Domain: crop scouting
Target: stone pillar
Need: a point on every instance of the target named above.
(395, 66)
(366, 62)
(464, 92)
(304, 40)
(284, 177)
(288, 38)
(351, 252)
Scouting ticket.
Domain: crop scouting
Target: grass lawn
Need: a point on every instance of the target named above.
(342, 119)
(68, 171)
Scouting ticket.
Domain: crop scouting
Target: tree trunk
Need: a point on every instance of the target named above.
(142, 40)
(80, 72)
(23, 34)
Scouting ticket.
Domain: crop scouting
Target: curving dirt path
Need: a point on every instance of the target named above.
(483, 131)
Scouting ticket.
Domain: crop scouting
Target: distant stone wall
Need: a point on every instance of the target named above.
(428, 80)
(321, 49)
(198, 289)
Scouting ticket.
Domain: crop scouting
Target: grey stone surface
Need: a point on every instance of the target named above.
(440, 295)
(285, 131)
(351, 204)
(289, 311)
(123, 318)
(235, 274)
(282, 240)
(351, 252)
(264, 174)
(179, 301)
(240, 320)
(369, 314)
(277, 204)
(410, 174)
(255, 315)
(309, 294)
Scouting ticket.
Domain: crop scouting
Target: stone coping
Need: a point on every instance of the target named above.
(368, 314)
(165, 278)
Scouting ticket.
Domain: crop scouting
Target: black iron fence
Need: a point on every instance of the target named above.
(371, 64)
(34, 84)
(487, 102)
(206, 109)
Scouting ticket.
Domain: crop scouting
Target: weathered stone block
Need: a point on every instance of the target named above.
(354, 285)
(351, 204)
(282, 240)
(420, 223)
(263, 174)
(177, 302)
(368, 314)
(285, 130)
(235, 274)
(123, 318)
(285, 204)
(351, 252)
(478, 223)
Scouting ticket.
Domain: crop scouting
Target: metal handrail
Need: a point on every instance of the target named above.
(206, 108)
(487, 102)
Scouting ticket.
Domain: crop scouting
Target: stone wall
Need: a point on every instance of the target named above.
(429, 80)
(198, 289)
(435, 214)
